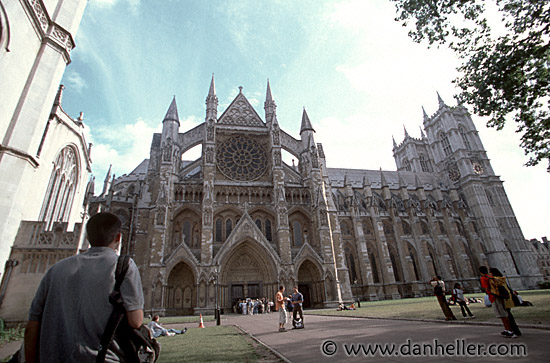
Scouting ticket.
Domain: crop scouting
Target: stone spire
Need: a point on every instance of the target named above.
(107, 182)
(269, 106)
(394, 143)
(172, 113)
(383, 181)
(422, 134)
(59, 95)
(406, 133)
(440, 100)
(426, 117)
(212, 101)
(306, 124)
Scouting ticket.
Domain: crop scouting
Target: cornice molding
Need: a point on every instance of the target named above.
(49, 31)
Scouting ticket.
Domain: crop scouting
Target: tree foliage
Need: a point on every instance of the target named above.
(505, 54)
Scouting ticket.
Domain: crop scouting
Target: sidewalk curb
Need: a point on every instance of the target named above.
(464, 322)
(272, 350)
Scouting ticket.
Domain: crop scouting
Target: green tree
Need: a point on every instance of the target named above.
(505, 54)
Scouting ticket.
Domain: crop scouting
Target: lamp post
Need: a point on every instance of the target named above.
(217, 311)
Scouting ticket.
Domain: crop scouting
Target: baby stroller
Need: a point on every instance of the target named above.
(298, 324)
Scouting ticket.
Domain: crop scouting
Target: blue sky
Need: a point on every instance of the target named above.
(353, 68)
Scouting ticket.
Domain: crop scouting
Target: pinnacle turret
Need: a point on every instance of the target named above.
(422, 134)
(107, 182)
(306, 124)
(440, 100)
(406, 133)
(383, 181)
(394, 143)
(59, 95)
(426, 117)
(269, 106)
(172, 113)
(211, 101)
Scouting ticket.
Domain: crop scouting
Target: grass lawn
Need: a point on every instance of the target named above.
(213, 344)
(428, 308)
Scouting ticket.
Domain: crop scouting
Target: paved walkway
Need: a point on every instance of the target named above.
(336, 334)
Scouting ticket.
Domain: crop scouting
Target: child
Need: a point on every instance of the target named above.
(458, 294)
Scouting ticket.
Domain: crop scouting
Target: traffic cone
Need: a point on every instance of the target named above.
(201, 324)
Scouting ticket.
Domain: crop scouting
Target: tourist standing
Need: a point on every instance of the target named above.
(458, 293)
(439, 292)
(297, 300)
(280, 306)
(496, 302)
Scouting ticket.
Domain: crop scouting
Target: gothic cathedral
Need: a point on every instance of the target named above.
(239, 221)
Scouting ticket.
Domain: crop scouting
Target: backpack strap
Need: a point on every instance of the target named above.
(118, 308)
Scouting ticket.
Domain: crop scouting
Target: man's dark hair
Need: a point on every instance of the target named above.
(281, 287)
(102, 229)
(495, 271)
(483, 270)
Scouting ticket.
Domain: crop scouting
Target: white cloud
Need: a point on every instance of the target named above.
(133, 4)
(75, 81)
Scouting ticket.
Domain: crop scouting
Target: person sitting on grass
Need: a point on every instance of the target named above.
(158, 330)
(521, 301)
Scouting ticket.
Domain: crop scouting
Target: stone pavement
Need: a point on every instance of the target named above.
(336, 334)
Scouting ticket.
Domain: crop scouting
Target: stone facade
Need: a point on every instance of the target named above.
(44, 158)
(541, 251)
(242, 219)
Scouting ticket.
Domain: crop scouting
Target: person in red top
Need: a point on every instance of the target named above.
(496, 302)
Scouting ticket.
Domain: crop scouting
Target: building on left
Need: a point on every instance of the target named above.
(45, 162)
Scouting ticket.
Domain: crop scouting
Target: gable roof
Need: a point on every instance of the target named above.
(241, 113)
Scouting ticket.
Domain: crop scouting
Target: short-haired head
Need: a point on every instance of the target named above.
(281, 287)
(483, 270)
(102, 229)
(156, 318)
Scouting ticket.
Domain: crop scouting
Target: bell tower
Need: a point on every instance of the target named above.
(460, 158)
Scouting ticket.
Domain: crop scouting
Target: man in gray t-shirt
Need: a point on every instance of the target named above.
(71, 307)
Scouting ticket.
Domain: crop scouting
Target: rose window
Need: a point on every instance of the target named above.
(241, 158)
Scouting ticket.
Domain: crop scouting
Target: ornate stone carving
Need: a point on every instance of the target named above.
(241, 158)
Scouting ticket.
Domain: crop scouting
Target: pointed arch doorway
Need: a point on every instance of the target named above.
(310, 284)
(248, 273)
(180, 291)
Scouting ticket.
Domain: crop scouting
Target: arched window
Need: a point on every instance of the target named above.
(424, 164)
(350, 260)
(187, 238)
(445, 144)
(406, 228)
(297, 234)
(424, 227)
(406, 164)
(442, 228)
(464, 137)
(228, 228)
(412, 254)
(374, 269)
(61, 189)
(490, 197)
(259, 224)
(268, 235)
(219, 236)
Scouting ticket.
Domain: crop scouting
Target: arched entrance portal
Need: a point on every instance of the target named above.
(248, 273)
(180, 291)
(310, 284)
